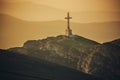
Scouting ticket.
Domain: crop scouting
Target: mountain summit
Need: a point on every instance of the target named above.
(61, 49)
(79, 53)
(53, 58)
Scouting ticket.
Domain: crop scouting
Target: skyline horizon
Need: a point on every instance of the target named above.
(21, 45)
(62, 19)
(35, 19)
(38, 31)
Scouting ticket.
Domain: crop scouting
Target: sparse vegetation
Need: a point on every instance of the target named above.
(77, 53)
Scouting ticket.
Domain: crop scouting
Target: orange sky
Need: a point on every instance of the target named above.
(77, 5)
(82, 11)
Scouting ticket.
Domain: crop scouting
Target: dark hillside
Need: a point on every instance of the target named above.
(16, 66)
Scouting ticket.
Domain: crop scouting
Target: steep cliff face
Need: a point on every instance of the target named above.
(105, 61)
(79, 53)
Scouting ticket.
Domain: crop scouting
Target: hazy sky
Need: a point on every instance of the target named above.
(82, 5)
(78, 5)
(82, 11)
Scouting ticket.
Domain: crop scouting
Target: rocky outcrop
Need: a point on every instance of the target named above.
(105, 61)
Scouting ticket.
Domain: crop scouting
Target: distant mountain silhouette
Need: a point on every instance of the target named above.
(13, 20)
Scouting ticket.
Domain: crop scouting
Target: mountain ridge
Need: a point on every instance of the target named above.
(77, 55)
(11, 16)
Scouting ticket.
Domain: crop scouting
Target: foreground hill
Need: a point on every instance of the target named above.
(15, 66)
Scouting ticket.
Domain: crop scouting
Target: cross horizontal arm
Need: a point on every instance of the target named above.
(68, 17)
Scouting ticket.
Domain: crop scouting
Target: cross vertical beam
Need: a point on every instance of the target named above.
(68, 20)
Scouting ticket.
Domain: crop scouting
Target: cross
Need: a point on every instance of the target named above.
(68, 19)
